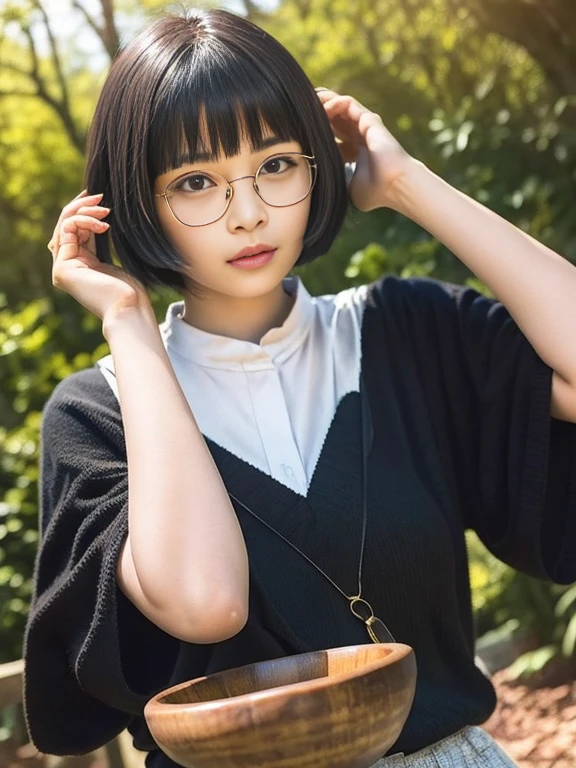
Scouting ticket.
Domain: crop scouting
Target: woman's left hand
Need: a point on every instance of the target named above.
(363, 139)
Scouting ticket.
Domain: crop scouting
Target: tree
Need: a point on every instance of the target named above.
(34, 79)
(546, 29)
(44, 109)
(105, 28)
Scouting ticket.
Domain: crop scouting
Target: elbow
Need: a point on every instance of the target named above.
(213, 611)
(211, 623)
(209, 613)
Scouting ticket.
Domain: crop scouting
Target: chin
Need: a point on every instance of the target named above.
(250, 284)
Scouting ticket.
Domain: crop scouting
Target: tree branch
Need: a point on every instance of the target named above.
(59, 105)
(561, 14)
(252, 11)
(34, 72)
(88, 18)
(111, 38)
(54, 52)
(107, 31)
(15, 68)
(16, 92)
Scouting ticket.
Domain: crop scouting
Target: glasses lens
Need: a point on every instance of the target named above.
(284, 179)
(199, 197)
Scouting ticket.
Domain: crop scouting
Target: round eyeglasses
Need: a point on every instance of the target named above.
(202, 197)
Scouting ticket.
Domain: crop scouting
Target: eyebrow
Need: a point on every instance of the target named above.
(204, 157)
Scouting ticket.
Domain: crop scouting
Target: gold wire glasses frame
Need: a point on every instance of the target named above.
(172, 187)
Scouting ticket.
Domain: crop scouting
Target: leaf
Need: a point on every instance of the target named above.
(566, 601)
(569, 639)
(449, 37)
(533, 661)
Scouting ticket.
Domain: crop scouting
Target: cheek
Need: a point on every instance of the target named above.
(296, 219)
(167, 222)
(183, 239)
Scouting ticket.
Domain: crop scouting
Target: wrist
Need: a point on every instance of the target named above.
(403, 190)
(118, 321)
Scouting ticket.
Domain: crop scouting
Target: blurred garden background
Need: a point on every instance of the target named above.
(482, 91)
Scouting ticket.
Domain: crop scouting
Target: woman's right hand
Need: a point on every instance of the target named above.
(104, 289)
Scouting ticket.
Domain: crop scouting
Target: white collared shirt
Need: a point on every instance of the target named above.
(271, 403)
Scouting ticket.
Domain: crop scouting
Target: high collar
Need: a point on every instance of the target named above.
(214, 351)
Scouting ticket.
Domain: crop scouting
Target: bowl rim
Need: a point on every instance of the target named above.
(401, 651)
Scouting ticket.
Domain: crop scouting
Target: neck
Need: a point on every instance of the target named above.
(246, 319)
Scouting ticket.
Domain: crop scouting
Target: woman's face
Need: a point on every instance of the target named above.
(248, 221)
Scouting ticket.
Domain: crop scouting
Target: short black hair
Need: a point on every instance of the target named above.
(180, 67)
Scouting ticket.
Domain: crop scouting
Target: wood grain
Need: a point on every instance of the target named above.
(338, 708)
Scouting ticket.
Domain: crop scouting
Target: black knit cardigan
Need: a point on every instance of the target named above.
(462, 438)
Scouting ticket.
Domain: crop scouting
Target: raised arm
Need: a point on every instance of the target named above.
(184, 563)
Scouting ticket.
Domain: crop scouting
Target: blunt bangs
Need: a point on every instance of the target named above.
(208, 110)
(192, 88)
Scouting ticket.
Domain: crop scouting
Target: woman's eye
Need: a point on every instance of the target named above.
(195, 183)
(277, 165)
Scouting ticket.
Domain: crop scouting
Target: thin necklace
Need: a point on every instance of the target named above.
(360, 607)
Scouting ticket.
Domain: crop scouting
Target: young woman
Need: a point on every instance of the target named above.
(227, 486)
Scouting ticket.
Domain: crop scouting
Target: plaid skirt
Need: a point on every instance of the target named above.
(471, 747)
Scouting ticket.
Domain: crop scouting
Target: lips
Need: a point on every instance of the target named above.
(252, 250)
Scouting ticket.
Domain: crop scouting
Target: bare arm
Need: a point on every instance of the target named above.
(184, 564)
(536, 284)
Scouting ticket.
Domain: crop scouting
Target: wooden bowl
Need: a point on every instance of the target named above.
(339, 708)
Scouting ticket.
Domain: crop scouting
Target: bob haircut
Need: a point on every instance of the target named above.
(207, 64)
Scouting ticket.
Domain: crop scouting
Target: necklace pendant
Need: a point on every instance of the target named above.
(378, 632)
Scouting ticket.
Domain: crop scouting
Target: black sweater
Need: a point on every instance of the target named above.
(460, 408)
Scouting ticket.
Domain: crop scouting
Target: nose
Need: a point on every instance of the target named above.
(247, 210)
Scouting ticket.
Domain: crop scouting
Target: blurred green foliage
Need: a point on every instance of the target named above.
(476, 107)
(32, 361)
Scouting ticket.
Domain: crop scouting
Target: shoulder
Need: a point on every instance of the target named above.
(434, 305)
(82, 403)
(394, 290)
(346, 303)
(411, 307)
(416, 292)
(86, 388)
